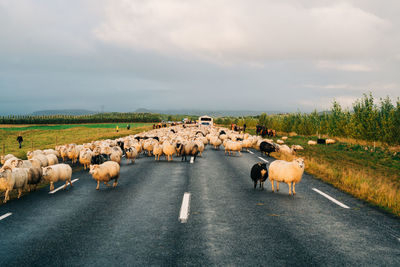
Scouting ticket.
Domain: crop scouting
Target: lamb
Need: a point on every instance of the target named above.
(287, 172)
(312, 143)
(259, 172)
(105, 172)
(85, 158)
(267, 148)
(6, 157)
(131, 153)
(168, 149)
(284, 138)
(58, 172)
(279, 141)
(13, 179)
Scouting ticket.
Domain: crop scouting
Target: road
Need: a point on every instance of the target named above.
(229, 222)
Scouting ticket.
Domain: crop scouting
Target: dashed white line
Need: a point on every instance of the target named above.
(5, 216)
(184, 213)
(331, 199)
(251, 152)
(263, 159)
(192, 160)
(61, 187)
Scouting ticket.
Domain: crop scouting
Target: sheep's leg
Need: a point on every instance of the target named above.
(66, 184)
(115, 182)
(239, 153)
(294, 191)
(98, 185)
(106, 183)
(19, 192)
(6, 197)
(272, 185)
(290, 188)
(277, 186)
(262, 185)
(51, 186)
(255, 184)
(70, 182)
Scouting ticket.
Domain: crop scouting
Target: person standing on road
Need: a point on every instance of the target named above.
(117, 128)
(20, 140)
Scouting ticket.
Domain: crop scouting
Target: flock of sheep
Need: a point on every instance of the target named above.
(103, 157)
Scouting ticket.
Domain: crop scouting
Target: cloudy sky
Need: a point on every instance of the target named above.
(285, 55)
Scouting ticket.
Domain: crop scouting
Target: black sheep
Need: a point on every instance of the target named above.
(321, 141)
(259, 172)
(121, 145)
(222, 132)
(267, 148)
(100, 159)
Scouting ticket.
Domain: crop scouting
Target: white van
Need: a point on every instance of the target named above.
(206, 121)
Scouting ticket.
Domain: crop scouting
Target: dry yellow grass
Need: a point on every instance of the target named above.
(363, 183)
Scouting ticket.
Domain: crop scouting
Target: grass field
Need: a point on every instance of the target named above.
(48, 136)
(368, 173)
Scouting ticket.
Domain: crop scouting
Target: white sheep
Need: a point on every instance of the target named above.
(157, 151)
(116, 157)
(168, 149)
(58, 172)
(13, 179)
(284, 138)
(131, 153)
(73, 153)
(6, 157)
(312, 143)
(51, 159)
(330, 141)
(85, 157)
(286, 172)
(44, 162)
(105, 172)
(279, 141)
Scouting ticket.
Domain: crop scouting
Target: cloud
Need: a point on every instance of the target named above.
(330, 65)
(231, 31)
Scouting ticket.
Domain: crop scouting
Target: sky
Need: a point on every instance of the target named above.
(121, 55)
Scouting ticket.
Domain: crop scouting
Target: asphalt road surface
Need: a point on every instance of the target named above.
(229, 223)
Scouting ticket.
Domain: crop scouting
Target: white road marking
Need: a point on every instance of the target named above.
(184, 213)
(61, 187)
(192, 160)
(5, 216)
(331, 199)
(263, 159)
(251, 152)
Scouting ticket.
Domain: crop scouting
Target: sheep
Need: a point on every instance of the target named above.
(44, 162)
(105, 172)
(321, 141)
(8, 162)
(116, 157)
(285, 149)
(259, 172)
(64, 153)
(189, 149)
(312, 143)
(51, 151)
(232, 146)
(6, 157)
(284, 138)
(200, 145)
(279, 141)
(168, 149)
(58, 172)
(35, 163)
(51, 159)
(19, 163)
(31, 154)
(85, 158)
(330, 141)
(73, 153)
(215, 141)
(267, 148)
(34, 177)
(287, 172)
(13, 179)
(157, 151)
(131, 153)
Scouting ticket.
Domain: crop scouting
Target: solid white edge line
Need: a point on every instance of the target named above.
(55, 190)
(5, 216)
(331, 199)
(263, 159)
(184, 213)
(251, 152)
(192, 160)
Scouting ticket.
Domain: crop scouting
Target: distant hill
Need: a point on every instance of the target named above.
(73, 112)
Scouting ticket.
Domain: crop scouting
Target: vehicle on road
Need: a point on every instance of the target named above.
(206, 120)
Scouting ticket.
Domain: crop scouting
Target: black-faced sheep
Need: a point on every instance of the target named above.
(189, 149)
(259, 172)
